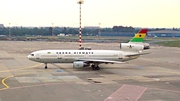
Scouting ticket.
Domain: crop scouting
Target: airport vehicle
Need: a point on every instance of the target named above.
(137, 39)
(85, 58)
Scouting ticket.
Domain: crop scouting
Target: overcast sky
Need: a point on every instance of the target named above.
(136, 13)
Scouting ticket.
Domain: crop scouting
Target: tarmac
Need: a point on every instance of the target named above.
(151, 77)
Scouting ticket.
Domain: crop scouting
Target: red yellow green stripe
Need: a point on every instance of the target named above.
(139, 37)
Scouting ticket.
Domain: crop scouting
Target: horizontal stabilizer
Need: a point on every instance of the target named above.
(136, 54)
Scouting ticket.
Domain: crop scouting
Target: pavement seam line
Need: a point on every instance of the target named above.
(3, 80)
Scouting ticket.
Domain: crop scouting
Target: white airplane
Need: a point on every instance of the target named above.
(84, 58)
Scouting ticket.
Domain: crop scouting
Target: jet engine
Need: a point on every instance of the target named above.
(131, 47)
(146, 46)
(80, 64)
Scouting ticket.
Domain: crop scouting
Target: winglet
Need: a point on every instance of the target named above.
(139, 37)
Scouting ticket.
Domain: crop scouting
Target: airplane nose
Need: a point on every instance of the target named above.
(28, 56)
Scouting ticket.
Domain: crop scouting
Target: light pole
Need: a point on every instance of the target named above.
(99, 33)
(52, 29)
(80, 29)
(9, 30)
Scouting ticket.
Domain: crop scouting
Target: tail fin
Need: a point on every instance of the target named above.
(139, 37)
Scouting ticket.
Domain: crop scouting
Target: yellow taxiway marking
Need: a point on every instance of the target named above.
(21, 68)
(3, 80)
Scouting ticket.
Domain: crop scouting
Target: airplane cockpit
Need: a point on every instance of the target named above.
(31, 56)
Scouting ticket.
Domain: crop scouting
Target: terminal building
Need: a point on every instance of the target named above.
(164, 33)
(130, 34)
(158, 33)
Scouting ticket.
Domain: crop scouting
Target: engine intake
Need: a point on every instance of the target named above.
(80, 64)
(146, 46)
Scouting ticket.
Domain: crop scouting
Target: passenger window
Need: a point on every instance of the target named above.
(86, 52)
(56, 52)
(62, 52)
(79, 52)
(69, 52)
(32, 54)
(59, 52)
(74, 52)
(83, 52)
(66, 52)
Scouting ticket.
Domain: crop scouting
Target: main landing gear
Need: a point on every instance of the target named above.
(45, 65)
(95, 66)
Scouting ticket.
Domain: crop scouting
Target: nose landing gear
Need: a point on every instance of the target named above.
(45, 65)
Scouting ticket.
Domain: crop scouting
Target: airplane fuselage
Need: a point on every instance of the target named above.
(69, 56)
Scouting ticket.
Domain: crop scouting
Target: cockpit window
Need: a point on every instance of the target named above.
(32, 54)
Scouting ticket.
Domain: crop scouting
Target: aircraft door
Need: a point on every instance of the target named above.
(60, 56)
(37, 56)
(86, 55)
(120, 56)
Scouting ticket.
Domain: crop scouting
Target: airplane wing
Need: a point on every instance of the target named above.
(99, 61)
(129, 55)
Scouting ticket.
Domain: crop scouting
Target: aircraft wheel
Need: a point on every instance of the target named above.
(94, 68)
(97, 68)
(45, 66)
